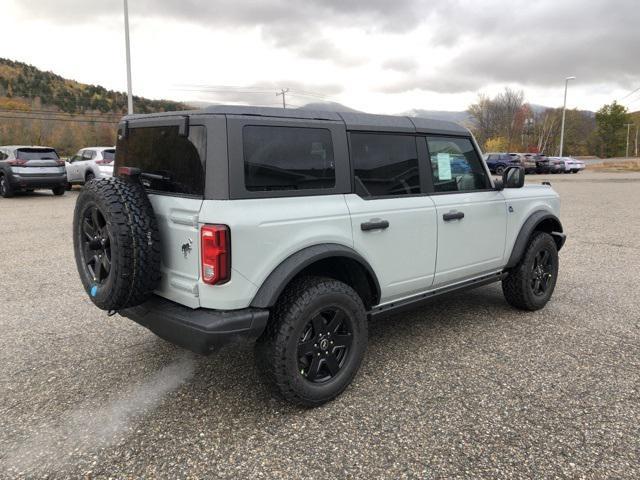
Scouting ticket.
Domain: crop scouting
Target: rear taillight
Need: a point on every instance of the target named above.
(215, 248)
(17, 162)
(60, 163)
(104, 162)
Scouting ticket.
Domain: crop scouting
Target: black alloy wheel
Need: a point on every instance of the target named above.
(499, 170)
(541, 273)
(96, 245)
(324, 345)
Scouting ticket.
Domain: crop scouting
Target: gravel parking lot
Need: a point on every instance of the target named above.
(465, 387)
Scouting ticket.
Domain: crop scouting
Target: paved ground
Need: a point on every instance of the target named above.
(465, 387)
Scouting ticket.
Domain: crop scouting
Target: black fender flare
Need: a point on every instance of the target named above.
(531, 225)
(280, 277)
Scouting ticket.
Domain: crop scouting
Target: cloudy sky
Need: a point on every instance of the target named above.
(375, 55)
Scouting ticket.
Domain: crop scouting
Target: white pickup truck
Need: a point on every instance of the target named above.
(292, 228)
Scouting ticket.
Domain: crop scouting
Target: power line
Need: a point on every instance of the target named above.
(3, 115)
(50, 112)
(630, 93)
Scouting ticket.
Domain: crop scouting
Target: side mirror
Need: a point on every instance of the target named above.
(513, 177)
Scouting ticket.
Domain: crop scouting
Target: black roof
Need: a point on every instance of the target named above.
(352, 120)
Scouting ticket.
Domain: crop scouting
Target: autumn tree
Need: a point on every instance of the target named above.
(502, 116)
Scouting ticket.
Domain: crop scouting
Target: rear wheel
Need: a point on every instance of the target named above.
(90, 176)
(531, 282)
(315, 340)
(58, 190)
(499, 169)
(5, 187)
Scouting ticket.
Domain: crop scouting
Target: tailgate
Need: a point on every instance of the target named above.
(180, 242)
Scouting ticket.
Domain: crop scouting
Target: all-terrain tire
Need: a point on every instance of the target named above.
(517, 286)
(277, 349)
(131, 232)
(5, 187)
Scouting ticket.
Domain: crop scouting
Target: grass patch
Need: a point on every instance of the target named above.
(629, 166)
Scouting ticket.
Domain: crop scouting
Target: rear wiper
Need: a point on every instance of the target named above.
(153, 176)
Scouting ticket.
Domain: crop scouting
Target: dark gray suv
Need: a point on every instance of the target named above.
(27, 168)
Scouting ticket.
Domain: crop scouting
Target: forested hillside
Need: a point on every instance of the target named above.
(43, 108)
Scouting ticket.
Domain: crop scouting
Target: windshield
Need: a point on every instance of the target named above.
(37, 154)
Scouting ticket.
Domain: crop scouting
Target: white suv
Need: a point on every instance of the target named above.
(294, 227)
(90, 163)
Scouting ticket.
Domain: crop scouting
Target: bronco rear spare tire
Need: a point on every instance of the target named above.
(116, 243)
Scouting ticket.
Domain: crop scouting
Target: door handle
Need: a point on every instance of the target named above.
(374, 224)
(447, 217)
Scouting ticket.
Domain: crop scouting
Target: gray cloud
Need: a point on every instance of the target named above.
(405, 65)
(532, 43)
(494, 41)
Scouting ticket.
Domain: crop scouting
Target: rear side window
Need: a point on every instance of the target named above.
(384, 165)
(172, 163)
(287, 158)
(37, 154)
(456, 166)
(109, 154)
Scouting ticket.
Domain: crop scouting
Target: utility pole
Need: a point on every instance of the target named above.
(636, 140)
(283, 92)
(628, 125)
(564, 110)
(126, 41)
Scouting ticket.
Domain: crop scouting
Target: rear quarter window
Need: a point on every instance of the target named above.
(287, 158)
(174, 164)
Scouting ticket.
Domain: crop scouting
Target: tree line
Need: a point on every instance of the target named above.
(507, 123)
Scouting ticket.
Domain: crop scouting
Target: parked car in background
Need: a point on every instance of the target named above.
(498, 162)
(536, 163)
(577, 165)
(526, 161)
(90, 163)
(557, 165)
(569, 165)
(26, 168)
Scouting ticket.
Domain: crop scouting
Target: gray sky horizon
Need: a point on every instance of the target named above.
(373, 55)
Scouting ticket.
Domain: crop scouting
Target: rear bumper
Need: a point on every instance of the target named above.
(37, 181)
(200, 330)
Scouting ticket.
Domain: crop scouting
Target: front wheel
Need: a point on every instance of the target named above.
(530, 284)
(315, 340)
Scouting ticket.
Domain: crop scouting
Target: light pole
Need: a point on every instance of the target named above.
(628, 125)
(564, 110)
(126, 41)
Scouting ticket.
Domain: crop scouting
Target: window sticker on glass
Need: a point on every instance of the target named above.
(444, 166)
